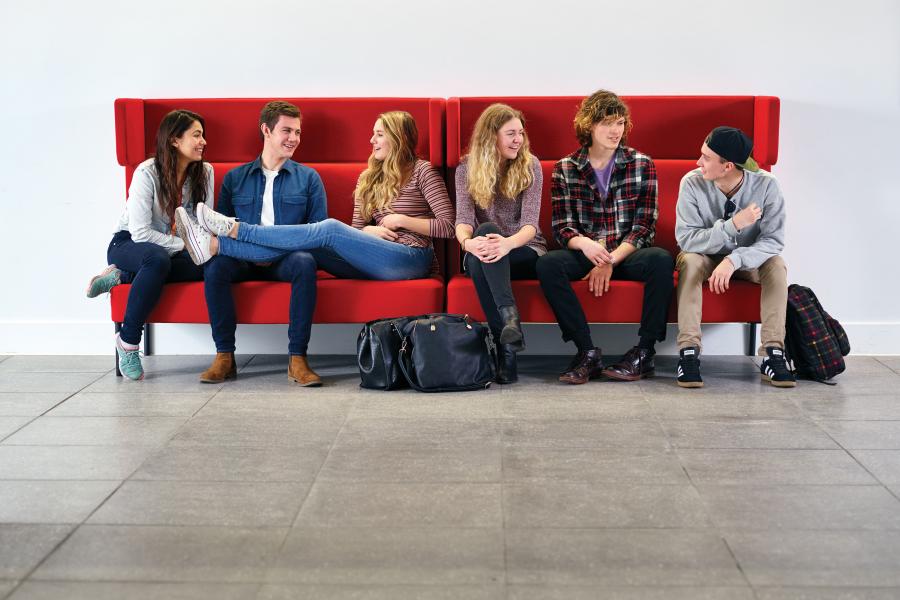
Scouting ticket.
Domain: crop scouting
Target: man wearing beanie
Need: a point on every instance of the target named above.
(730, 223)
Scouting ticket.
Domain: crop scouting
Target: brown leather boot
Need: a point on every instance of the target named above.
(299, 372)
(583, 367)
(222, 368)
(637, 364)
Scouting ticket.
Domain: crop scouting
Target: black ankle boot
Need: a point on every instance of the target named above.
(507, 370)
(512, 327)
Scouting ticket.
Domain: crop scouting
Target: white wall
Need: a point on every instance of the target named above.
(836, 67)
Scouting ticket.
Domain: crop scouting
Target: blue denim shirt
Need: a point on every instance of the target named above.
(298, 194)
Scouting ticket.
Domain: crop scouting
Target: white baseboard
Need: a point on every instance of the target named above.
(43, 337)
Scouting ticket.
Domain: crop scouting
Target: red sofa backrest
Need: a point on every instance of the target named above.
(670, 129)
(334, 140)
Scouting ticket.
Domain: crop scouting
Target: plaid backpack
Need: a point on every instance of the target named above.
(814, 342)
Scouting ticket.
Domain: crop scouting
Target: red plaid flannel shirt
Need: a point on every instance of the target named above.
(627, 214)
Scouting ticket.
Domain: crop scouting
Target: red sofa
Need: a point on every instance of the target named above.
(335, 142)
(668, 128)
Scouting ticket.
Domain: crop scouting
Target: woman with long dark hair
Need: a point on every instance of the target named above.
(145, 251)
(400, 204)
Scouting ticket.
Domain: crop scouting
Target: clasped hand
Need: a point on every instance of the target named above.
(596, 252)
(488, 248)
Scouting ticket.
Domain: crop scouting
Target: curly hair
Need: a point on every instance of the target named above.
(489, 174)
(600, 107)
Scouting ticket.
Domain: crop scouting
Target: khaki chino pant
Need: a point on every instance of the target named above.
(693, 272)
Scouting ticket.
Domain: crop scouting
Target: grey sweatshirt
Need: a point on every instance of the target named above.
(700, 228)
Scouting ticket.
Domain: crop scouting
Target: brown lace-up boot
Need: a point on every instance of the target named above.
(299, 372)
(222, 368)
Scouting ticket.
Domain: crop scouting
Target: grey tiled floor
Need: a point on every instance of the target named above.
(258, 489)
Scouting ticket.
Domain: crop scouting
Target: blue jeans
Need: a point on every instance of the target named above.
(146, 267)
(370, 256)
(298, 268)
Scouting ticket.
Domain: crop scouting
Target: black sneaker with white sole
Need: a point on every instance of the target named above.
(774, 369)
(689, 368)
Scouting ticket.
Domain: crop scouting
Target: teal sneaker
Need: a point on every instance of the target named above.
(106, 280)
(129, 361)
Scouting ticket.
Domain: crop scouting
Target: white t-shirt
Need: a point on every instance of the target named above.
(268, 207)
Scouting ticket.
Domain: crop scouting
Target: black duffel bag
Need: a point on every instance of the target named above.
(447, 353)
(377, 351)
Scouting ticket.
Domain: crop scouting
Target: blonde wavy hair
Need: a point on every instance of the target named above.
(487, 178)
(379, 184)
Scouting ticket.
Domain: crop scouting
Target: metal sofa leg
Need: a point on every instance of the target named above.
(148, 339)
(751, 339)
(118, 328)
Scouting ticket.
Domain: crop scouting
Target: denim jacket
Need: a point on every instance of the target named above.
(298, 194)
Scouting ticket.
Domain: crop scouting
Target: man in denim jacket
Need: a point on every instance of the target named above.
(271, 190)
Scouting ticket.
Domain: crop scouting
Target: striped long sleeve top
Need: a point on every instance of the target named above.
(424, 196)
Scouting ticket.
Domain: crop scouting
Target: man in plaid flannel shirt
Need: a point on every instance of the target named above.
(729, 222)
(604, 217)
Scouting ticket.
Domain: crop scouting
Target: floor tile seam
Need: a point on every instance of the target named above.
(52, 371)
(210, 481)
(877, 359)
(836, 420)
(781, 448)
(765, 485)
(332, 480)
(35, 418)
(309, 489)
(197, 527)
(68, 445)
(263, 583)
(886, 484)
(503, 522)
(266, 582)
(737, 563)
(29, 421)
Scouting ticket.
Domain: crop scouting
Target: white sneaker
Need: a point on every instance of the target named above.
(195, 238)
(212, 221)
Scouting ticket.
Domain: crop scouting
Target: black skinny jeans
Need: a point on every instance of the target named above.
(492, 280)
(653, 266)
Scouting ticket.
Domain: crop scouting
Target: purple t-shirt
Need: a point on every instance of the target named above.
(603, 176)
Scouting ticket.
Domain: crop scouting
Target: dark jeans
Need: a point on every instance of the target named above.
(653, 266)
(492, 280)
(298, 268)
(146, 267)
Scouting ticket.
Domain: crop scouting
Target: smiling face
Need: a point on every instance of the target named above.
(607, 134)
(191, 143)
(282, 140)
(510, 138)
(381, 143)
(711, 165)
